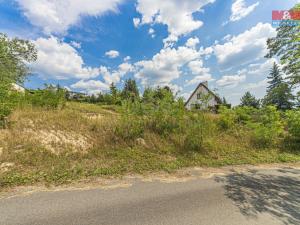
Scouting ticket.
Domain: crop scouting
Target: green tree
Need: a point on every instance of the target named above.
(100, 98)
(279, 93)
(249, 100)
(275, 77)
(156, 95)
(15, 54)
(280, 96)
(130, 90)
(225, 103)
(148, 95)
(113, 89)
(298, 100)
(165, 92)
(114, 97)
(93, 99)
(286, 46)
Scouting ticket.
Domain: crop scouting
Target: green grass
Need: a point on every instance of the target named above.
(108, 155)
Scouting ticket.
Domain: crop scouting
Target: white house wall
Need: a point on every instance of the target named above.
(193, 100)
(18, 88)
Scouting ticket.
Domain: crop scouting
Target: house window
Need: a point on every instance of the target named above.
(199, 95)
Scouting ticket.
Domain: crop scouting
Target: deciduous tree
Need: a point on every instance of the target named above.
(286, 46)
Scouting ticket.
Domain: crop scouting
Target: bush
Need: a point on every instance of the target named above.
(196, 129)
(162, 117)
(245, 114)
(8, 101)
(130, 127)
(262, 136)
(227, 119)
(267, 127)
(51, 97)
(293, 123)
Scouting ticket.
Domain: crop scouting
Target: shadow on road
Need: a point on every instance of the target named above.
(277, 194)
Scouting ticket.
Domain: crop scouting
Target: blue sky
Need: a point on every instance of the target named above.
(85, 45)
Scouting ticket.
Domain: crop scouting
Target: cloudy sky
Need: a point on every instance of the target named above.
(86, 45)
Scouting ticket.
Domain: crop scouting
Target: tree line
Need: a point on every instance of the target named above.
(130, 92)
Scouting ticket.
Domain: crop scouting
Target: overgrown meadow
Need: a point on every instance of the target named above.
(49, 140)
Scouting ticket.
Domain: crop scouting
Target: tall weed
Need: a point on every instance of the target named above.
(293, 123)
(267, 127)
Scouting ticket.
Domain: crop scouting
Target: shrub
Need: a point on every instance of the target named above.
(51, 97)
(162, 117)
(167, 117)
(8, 101)
(262, 136)
(227, 119)
(267, 127)
(293, 123)
(130, 127)
(196, 129)
(245, 114)
(5, 106)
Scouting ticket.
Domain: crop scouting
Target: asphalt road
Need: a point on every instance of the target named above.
(254, 197)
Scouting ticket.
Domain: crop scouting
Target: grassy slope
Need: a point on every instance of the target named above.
(56, 147)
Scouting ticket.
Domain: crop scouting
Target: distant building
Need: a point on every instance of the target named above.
(18, 88)
(77, 96)
(203, 98)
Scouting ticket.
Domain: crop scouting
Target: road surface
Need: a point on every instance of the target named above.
(264, 196)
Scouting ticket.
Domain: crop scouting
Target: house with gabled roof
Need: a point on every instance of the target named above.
(203, 98)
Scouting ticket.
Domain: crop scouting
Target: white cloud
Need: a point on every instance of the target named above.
(261, 69)
(239, 10)
(55, 16)
(257, 81)
(186, 95)
(197, 67)
(175, 88)
(231, 81)
(75, 44)
(202, 73)
(165, 66)
(91, 86)
(125, 68)
(60, 61)
(227, 37)
(192, 42)
(112, 54)
(257, 85)
(199, 79)
(245, 47)
(207, 52)
(151, 32)
(136, 22)
(116, 75)
(96, 86)
(127, 58)
(176, 14)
